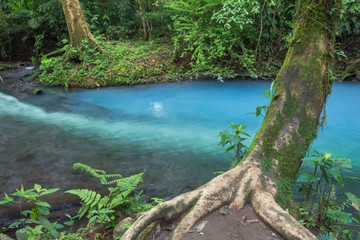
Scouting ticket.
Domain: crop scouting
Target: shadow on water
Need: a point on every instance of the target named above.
(167, 129)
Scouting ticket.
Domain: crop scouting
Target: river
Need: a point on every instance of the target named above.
(169, 130)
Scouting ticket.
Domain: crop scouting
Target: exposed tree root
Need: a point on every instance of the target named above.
(235, 187)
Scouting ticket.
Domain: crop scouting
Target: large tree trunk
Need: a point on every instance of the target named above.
(289, 127)
(76, 24)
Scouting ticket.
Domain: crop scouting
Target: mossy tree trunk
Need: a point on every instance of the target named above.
(290, 125)
(76, 24)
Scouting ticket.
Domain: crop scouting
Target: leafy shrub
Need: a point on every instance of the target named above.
(320, 191)
(235, 141)
(37, 215)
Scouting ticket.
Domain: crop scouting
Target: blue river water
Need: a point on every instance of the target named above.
(169, 130)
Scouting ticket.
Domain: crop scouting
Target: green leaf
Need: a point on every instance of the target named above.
(48, 191)
(69, 223)
(327, 156)
(54, 233)
(58, 226)
(4, 201)
(31, 221)
(93, 219)
(48, 225)
(258, 110)
(352, 178)
(33, 215)
(344, 163)
(230, 148)
(26, 212)
(14, 224)
(267, 93)
(337, 175)
(10, 199)
(307, 177)
(21, 234)
(44, 210)
(37, 187)
(272, 86)
(42, 204)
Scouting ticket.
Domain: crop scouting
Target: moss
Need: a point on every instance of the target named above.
(284, 187)
(266, 164)
(290, 108)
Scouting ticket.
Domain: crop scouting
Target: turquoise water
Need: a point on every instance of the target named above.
(166, 129)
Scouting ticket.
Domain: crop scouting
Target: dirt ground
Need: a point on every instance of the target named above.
(223, 224)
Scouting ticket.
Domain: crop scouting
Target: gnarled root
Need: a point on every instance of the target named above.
(235, 187)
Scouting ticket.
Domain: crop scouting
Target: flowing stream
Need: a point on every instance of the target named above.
(168, 129)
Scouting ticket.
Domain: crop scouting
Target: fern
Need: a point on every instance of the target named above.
(89, 199)
(118, 195)
(97, 173)
(325, 236)
(124, 188)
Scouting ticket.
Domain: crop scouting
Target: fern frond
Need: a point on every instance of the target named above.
(103, 202)
(112, 175)
(125, 187)
(83, 210)
(325, 236)
(97, 173)
(89, 199)
(117, 201)
(96, 201)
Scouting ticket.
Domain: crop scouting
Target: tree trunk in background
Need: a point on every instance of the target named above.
(291, 123)
(76, 24)
(145, 24)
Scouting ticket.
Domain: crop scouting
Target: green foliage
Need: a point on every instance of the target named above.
(123, 63)
(284, 187)
(326, 236)
(100, 208)
(37, 215)
(320, 188)
(203, 35)
(349, 23)
(268, 94)
(266, 164)
(235, 141)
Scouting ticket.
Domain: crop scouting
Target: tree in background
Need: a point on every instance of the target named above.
(291, 123)
(77, 26)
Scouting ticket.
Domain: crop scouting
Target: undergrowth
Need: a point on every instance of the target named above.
(100, 209)
(111, 63)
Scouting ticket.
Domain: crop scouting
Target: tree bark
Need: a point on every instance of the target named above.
(147, 34)
(76, 24)
(289, 126)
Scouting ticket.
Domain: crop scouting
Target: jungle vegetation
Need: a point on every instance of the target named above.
(163, 39)
(127, 42)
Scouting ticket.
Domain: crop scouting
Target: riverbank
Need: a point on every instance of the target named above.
(128, 63)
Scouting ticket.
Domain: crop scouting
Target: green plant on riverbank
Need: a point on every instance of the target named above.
(112, 63)
(235, 141)
(104, 209)
(37, 215)
(320, 190)
(268, 94)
